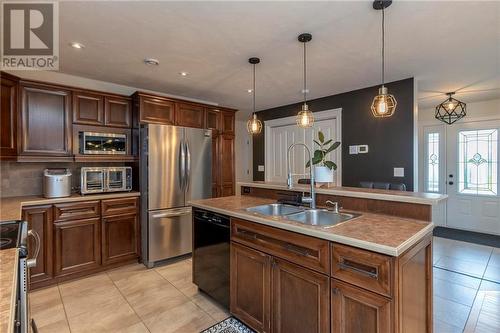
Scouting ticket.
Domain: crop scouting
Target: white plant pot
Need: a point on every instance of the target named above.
(323, 174)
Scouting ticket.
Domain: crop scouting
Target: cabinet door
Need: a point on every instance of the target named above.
(45, 121)
(215, 165)
(155, 110)
(226, 166)
(88, 108)
(8, 118)
(77, 246)
(227, 122)
(189, 115)
(301, 300)
(117, 112)
(250, 287)
(212, 119)
(119, 238)
(39, 219)
(358, 310)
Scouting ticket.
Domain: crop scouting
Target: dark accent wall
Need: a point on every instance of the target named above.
(390, 140)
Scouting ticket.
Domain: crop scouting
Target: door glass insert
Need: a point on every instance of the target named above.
(478, 162)
(432, 162)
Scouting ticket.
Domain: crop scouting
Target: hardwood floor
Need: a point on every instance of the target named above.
(163, 299)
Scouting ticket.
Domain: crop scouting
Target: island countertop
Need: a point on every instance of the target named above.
(356, 192)
(384, 234)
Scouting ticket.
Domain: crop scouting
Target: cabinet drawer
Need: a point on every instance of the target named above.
(119, 206)
(76, 210)
(302, 250)
(362, 268)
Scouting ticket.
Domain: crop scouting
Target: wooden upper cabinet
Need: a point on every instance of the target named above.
(251, 287)
(357, 310)
(154, 109)
(117, 112)
(189, 115)
(45, 120)
(88, 108)
(212, 119)
(227, 122)
(8, 117)
(301, 299)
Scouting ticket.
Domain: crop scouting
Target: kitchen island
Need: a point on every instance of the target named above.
(372, 273)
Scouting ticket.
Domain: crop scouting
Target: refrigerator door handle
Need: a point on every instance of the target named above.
(182, 165)
(176, 212)
(188, 166)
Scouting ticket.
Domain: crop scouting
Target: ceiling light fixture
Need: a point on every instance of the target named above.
(450, 110)
(384, 104)
(76, 45)
(183, 73)
(254, 125)
(151, 62)
(305, 117)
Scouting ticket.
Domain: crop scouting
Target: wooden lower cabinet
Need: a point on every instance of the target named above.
(77, 246)
(251, 287)
(300, 299)
(40, 220)
(357, 310)
(119, 238)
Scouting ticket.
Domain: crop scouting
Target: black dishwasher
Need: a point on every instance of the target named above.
(211, 235)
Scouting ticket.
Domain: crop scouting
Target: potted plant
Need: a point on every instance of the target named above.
(323, 168)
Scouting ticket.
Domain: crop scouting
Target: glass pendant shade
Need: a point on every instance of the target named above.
(254, 125)
(384, 104)
(305, 117)
(450, 110)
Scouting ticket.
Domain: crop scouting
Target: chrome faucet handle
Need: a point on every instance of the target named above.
(335, 205)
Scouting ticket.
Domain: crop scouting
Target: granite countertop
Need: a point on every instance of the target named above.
(10, 208)
(8, 284)
(357, 192)
(375, 232)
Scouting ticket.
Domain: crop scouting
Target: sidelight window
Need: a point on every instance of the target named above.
(433, 162)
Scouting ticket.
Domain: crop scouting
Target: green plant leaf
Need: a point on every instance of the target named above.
(318, 155)
(327, 142)
(333, 147)
(308, 164)
(316, 142)
(331, 165)
(321, 137)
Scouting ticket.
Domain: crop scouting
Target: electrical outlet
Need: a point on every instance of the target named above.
(399, 172)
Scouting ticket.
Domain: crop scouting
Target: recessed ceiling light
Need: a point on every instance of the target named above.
(151, 61)
(249, 91)
(77, 45)
(183, 73)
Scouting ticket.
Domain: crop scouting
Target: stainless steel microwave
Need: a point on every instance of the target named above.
(93, 143)
(105, 179)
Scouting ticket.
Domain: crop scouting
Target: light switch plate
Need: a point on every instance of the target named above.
(260, 168)
(362, 149)
(399, 172)
(353, 150)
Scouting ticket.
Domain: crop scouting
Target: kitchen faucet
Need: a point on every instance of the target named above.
(311, 199)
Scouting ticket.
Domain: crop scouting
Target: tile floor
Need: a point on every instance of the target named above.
(163, 299)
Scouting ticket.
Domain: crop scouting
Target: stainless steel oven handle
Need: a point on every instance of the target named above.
(31, 262)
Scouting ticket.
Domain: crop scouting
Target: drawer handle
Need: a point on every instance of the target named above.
(358, 268)
(123, 205)
(297, 249)
(249, 234)
(80, 210)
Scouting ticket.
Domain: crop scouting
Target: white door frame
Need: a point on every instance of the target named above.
(286, 121)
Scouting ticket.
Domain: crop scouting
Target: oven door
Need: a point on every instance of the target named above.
(93, 180)
(116, 179)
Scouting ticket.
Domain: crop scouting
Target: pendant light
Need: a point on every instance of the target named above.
(254, 125)
(384, 104)
(305, 117)
(450, 110)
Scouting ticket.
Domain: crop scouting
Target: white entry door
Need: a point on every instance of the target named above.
(283, 132)
(472, 176)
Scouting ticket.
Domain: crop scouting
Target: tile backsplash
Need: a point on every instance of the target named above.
(22, 179)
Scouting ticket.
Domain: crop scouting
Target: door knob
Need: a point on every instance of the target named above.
(450, 175)
(450, 183)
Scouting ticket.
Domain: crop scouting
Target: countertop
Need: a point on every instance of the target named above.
(10, 208)
(8, 281)
(375, 232)
(356, 192)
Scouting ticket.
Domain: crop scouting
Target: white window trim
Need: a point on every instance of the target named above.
(286, 121)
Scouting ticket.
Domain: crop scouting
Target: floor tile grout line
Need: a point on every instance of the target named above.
(126, 300)
(64, 307)
(189, 298)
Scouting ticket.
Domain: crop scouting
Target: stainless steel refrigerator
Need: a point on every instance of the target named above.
(176, 167)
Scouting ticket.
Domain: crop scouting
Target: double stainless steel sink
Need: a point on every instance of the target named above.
(323, 218)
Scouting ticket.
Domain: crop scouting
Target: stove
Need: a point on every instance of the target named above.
(11, 234)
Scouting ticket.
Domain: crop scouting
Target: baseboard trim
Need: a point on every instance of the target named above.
(467, 236)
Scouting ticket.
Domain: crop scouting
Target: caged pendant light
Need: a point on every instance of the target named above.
(384, 104)
(305, 117)
(254, 125)
(450, 110)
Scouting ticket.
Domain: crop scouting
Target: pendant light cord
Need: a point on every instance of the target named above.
(305, 74)
(254, 88)
(383, 46)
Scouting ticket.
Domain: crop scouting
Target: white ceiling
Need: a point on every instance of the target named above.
(447, 46)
